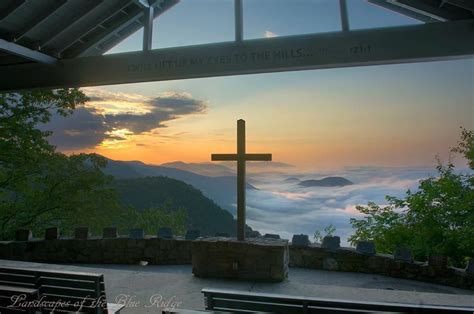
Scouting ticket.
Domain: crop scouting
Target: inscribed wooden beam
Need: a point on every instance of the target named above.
(403, 44)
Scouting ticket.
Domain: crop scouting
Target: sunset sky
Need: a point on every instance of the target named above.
(396, 115)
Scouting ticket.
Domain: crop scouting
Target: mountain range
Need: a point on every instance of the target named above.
(220, 189)
(227, 168)
(207, 191)
(205, 169)
(172, 194)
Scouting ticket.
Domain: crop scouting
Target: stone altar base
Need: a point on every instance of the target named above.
(252, 259)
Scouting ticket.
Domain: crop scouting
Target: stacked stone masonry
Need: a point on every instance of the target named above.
(348, 260)
(178, 251)
(100, 251)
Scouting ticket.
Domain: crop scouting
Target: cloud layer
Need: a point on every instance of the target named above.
(115, 116)
(282, 207)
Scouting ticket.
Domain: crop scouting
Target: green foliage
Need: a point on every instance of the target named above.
(383, 224)
(328, 230)
(466, 146)
(64, 191)
(22, 145)
(20, 114)
(171, 195)
(40, 187)
(153, 218)
(438, 218)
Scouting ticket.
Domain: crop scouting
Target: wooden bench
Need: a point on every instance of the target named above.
(8, 292)
(245, 302)
(61, 291)
(183, 311)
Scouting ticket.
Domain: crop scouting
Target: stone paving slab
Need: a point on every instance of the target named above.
(147, 289)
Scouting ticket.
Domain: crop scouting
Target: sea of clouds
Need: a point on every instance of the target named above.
(285, 208)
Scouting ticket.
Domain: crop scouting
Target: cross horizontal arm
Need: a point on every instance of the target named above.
(258, 157)
(248, 157)
(223, 157)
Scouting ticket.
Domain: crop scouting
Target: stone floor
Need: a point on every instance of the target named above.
(176, 286)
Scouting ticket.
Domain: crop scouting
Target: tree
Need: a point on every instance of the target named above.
(153, 218)
(436, 219)
(466, 146)
(170, 194)
(40, 187)
(22, 144)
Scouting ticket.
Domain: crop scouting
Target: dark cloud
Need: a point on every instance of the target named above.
(178, 104)
(83, 129)
(162, 109)
(136, 123)
(96, 98)
(87, 127)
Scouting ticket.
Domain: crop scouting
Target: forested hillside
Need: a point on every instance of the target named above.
(171, 194)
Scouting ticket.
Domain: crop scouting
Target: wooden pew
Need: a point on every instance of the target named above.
(245, 302)
(61, 291)
(8, 295)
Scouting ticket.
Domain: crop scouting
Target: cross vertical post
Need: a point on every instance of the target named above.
(241, 157)
(240, 180)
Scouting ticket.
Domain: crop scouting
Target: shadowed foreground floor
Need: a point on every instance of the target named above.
(175, 286)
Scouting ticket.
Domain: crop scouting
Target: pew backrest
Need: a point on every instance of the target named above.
(244, 302)
(65, 290)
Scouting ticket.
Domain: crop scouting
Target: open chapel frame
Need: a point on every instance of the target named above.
(447, 34)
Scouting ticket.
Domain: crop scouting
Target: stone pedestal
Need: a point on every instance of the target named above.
(470, 266)
(23, 235)
(300, 240)
(331, 243)
(51, 234)
(253, 259)
(81, 233)
(438, 261)
(366, 247)
(403, 254)
(110, 232)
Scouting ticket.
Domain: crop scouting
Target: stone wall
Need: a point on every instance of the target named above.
(347, 259)
(113, 251)
(176, 251)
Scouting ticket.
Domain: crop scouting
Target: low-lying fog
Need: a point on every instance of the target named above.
(284, 207)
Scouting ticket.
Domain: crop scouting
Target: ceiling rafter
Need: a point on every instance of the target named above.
(430, 10)
(464, 4)
(415, 14)
(87, 7)
(97, 23)
(118, 22)
(17, 50)
(41, 17)
(137, 15)
(11, 7)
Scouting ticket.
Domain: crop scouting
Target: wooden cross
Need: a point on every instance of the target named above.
(241, 157)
